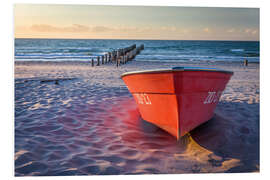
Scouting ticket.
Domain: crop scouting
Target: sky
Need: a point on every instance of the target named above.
(135, 22)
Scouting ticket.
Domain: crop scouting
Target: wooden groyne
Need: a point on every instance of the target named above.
(119, 56)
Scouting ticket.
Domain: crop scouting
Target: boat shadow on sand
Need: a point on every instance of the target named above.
(228, 144)
(230, 138)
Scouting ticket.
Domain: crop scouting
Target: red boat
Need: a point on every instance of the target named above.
(178, 99)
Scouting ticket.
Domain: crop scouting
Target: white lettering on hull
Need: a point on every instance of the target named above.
(212, 97)
(143, 98)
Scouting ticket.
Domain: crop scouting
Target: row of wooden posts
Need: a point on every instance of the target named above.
(119, 56)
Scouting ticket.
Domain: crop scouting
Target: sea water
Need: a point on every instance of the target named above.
(155, 50)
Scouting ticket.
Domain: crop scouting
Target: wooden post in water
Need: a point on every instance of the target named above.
(127, 56)
(246, 62)
(102, 59)
(122, 59)
(92, 62)
(117, 57)
(133, 54)
(113, 56)
(109, 56)
(130, 55)
(106, 60)
(98, 61)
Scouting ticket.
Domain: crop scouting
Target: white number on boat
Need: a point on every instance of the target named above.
(212, 97)
(143, 98)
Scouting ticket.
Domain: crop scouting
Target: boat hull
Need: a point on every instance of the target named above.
(177, 100)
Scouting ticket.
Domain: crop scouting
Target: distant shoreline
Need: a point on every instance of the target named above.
(139, 64)
(160, 62)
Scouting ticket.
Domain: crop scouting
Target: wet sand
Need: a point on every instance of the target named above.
(74, 119)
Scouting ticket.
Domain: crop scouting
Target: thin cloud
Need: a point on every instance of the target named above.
(101, 29)
(254, 32)
(50, 28)
(231, 30)
(185, 31)
(168, 28)
(251, 31)
(78, 28)
(247, 30)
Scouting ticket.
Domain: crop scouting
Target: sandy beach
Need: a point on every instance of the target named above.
(74, 119)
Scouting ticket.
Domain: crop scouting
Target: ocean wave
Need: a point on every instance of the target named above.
(54, 57)
(58, 54)
(195, 57)
(237, 50)
(49, 60)
(163, 58)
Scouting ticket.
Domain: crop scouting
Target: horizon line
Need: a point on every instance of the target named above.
(141, 39)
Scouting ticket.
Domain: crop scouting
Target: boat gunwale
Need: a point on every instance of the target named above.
(175, 70)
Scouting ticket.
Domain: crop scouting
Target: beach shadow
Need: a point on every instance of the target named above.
(231, 138)
(223, 144)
